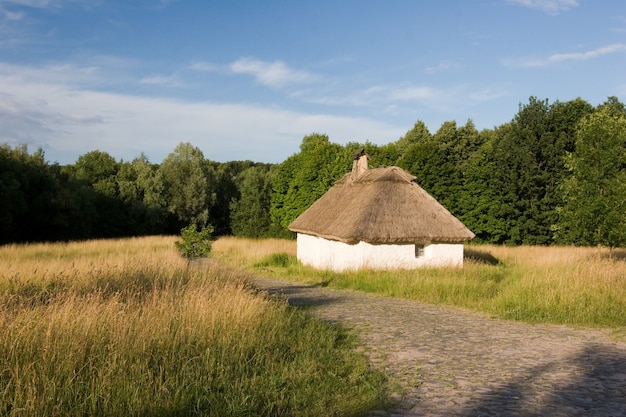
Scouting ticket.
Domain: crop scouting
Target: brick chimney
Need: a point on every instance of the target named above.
(359, 163)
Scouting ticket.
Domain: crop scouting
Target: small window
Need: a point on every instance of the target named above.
(419, 250)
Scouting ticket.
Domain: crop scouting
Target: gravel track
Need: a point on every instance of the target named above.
(447, 361)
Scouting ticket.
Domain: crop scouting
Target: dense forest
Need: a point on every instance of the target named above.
(554, 174)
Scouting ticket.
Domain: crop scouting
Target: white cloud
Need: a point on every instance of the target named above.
(609, 49)
(12, 16)
(442, 67)
(552, 7)
(407, 100)
(414, 93)
(203, 67)
(572, 56)
(361, 98)
(487, 94)
(30, 3)
(67, 122)
(164, 80)
(272, 74)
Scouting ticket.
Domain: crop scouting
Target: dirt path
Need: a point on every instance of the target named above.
(451, 362)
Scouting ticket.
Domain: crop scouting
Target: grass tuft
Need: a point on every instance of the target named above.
(280, 259)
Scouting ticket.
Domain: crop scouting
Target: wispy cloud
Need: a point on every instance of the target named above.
(486, 94)
(12, 16)
(164, 80)
(272, 74)
(562, 57)
(203, 67)
(43, 4)
(414, 93)
(30, 3)
(445, 99)
(442, 67)
(552, 7)
(67, 121)
(577, 56)
(408, 96)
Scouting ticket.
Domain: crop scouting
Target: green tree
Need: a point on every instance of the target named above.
(380, 156)
(98, 169)
(528, 165)
(302, 178)
(226, 190)
(594, 212)
(486, 213)
(614, 106)
(76, 203)
(440, 161)
(140, 186)
(250, 213)
(187, 182)
(418, 133)
(27, 191)
(42, 202)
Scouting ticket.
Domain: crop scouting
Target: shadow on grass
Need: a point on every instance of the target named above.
(480, 256)
(615, 255)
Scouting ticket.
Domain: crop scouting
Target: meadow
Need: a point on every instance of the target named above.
(569, 285)
(127, 327)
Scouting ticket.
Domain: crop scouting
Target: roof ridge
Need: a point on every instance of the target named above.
(378, 174)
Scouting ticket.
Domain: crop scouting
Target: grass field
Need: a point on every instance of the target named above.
(126, 328)
(565, 285)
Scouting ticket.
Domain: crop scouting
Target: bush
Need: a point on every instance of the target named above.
(195, 244)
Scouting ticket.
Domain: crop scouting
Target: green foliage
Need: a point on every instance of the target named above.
(526, 165)
(188, 184)
(417, 134)
(440, 162)
(99, 170)
(41, 201)
(226, 191)
(594, 212)
(304, 177)
(195, 243)
(250, 214)
(484, 213)
(281, 260)
(140, 186)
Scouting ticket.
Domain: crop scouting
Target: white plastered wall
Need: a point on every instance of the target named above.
(329, 254)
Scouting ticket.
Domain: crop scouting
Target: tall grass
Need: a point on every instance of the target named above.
(565, 285)
(124, 327)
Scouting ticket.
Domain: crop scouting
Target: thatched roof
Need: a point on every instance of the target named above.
(381, 205)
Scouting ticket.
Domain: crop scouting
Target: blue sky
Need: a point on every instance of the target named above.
(249, 79)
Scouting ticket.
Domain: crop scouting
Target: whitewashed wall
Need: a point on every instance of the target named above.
(328, 254)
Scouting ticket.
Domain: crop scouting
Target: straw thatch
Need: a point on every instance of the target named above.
(380, 206)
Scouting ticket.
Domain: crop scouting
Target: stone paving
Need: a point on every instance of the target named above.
(447, 361)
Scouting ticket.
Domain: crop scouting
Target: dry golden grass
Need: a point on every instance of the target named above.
(571, 285)
(572, 267)
(242, 252)
(128, 327)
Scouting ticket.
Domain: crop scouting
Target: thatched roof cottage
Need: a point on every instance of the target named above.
(379, 219)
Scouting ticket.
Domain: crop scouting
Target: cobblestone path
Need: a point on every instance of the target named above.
(452, 362)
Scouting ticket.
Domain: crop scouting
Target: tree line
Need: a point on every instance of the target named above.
(554, 174)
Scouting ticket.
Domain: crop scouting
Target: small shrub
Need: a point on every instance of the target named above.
(195, 244)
